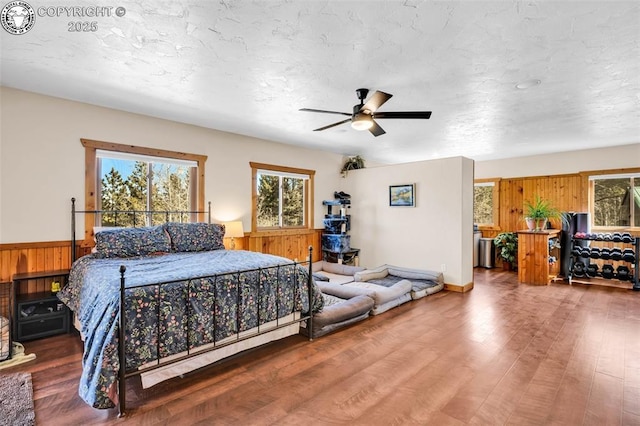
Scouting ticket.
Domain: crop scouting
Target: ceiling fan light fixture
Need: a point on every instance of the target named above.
(361, 121)
(365, 114)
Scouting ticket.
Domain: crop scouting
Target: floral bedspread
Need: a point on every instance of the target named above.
(191, 308)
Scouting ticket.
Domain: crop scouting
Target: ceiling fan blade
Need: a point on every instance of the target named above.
(332, 125)
(403, 114)
(376, 130)
(322, 110)
(376, 101)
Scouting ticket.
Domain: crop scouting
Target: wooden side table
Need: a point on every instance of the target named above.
(534, 266)
(39, 313)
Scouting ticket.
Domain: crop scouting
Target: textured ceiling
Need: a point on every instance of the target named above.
(248, 66)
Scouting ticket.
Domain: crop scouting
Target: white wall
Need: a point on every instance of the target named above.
(42, 162)
(617, 157)
(439, 230)
(42, 167)
(1, 180)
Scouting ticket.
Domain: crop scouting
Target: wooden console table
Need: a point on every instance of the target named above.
(534, 252)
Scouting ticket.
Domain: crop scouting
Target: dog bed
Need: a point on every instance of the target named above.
(334, 272)
(338, 312)
(423, 282)
(384, 298)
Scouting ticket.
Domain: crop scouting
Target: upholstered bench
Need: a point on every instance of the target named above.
(422, 282)
(334, 272)
(339, 310)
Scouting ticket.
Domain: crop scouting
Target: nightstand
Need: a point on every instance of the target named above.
(39, 313)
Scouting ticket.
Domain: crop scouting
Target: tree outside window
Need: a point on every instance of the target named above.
(124, 187)
(485, 202)
(268, 200)
(283, 197)
(292, 202)
(616, 200)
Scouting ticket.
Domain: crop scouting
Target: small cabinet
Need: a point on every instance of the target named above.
(39, 314)
(538, 254)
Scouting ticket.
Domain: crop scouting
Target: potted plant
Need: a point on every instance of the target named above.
(352, 163)
(538, 212)
(506, 244)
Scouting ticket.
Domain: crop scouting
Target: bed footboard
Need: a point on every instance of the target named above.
(242, 334)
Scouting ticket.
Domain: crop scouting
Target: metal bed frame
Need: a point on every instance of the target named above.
(123, 374)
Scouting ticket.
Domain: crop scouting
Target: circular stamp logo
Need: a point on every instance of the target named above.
(17, 17)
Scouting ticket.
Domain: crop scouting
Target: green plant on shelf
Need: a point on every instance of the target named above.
(352, 163)
(538, 212)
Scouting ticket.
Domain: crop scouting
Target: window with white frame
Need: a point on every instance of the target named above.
(615, 200)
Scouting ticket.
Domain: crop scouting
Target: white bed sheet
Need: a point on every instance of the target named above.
(269, 334)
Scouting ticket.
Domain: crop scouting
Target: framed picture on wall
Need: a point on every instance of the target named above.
(402, 195)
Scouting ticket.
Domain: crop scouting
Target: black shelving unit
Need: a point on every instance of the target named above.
(40, 314)
(621, 264)
(336, 241)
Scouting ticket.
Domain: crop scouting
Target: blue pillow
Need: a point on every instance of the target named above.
(129, 242)
(187, 237)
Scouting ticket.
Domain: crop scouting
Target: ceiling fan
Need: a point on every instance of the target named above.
(364, 114)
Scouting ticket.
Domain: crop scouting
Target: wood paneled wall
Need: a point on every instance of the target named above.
(291, 246)
(565, 192)
(33, 257)
(56, 255)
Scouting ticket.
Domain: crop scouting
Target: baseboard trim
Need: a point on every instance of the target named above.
(459, 288)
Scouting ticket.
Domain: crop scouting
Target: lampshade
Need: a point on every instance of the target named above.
(361, 121)
(234, 229)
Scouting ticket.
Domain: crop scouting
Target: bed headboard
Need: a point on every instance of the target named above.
(150, 216)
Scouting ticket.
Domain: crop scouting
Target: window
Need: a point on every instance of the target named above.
(118, 177)
(134, 182)
(615, 200)
(283, 197)
(485, 202)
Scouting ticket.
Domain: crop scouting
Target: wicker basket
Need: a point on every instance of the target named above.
(6, 305)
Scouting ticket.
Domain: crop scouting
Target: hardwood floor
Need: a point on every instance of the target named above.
(504, 353)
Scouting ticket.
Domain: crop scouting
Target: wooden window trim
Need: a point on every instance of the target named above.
(588, 188)
(308, 206)
(91, 181)
(495, 226)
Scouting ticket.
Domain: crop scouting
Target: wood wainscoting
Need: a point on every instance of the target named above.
(20, 258)
(293, 245)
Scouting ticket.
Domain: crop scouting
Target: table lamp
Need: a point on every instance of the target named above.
(233, 230)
